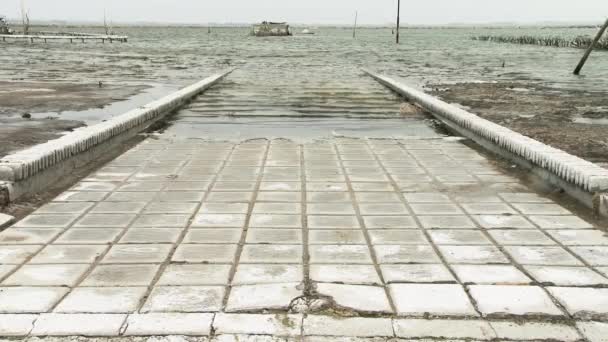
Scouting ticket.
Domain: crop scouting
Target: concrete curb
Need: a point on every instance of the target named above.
(25, 165)
(580, 178)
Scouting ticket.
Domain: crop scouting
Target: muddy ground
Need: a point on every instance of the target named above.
(545, 114)
(23, 104)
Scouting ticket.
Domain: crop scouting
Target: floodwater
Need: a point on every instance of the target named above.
(303, 75)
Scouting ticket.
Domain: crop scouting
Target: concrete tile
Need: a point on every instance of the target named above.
(580, 237)
(184, 299)
(162, 221)
(140, 186)
(530, 255)
(560, 222)
(340, 236)
(390, 222)
(377, 197)
(230, 197)
(16, 325)
(383, 209)
(277, 208)
(332, 222)
(372, 186)
(258, 324)
(134, 254)
(279, 196)
(347, 274)
(29, 236)
(446, 222)
(537, 331)
(165, 324)
(280, 186)
(488, 209)
(328, 187)
(205, 253)
(195, 275)
(95, 186)
(354, 326)
(274, 236)
(151, 235)
(406, 254)
(29, 299)
(89, 236)
(402, 237)
(171, 208)
(6, 269)
(330, 209)
(47, 221)
(181, 196)
(501, 300)
(189, 185)
(70, 254)
(121, 275)
(524, 197)
(362, 298)
(271, 254)
(594, 331)
(131, 197)
(118, 208)
(595, 256)
(224, 208)
(502, 221)
(473, 255)
(426, 197)
(80, 196)
(435, 209)
(233, 186)
(47, 275)
(328, 197)
(566, 276)
(583, 303)
(105, 220)
(433, 299)
(424, 273)
(490, 275)
(521, 237)
(102, 300)
(459, 237)
(244, 298)
(251, 274)
(276, 221)
(78, 324)
(17, 254)
(215, 235)
(541, 209)
(64, 208)
(448, 329)
(603, 270)
(347, 254)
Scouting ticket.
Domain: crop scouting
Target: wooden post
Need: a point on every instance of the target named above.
(580, 65)
(398, 18)
(355, 27)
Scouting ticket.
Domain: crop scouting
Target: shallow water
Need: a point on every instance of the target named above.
(280, 74)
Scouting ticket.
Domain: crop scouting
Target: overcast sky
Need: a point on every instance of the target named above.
(312, 11)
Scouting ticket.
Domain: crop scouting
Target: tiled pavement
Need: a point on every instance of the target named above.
(190, 237)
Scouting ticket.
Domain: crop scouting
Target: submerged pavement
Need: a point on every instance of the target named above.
(418, 237)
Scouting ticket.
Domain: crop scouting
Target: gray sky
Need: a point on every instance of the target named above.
(313, 11)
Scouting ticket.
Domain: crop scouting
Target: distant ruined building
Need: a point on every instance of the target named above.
(269, 29)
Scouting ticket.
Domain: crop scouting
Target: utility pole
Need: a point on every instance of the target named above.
(355, 27)
(580, 65)
(398, 18)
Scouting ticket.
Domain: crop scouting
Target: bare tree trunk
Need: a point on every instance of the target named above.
(580, 65)
(398, 18)
(355, 27)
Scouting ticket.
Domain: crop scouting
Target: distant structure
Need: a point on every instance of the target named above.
(4, 29)
(269, 29)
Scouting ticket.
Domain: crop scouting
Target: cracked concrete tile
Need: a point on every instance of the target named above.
(30, 299)
(347, 254)
(490, 275)
(137, 253)
(251, 274)
(541, 209)
(347, 274)
(434, 299)
(424, 273)
(503, 221)
(583, 303)
(164, 324)
(593, 331)
(262, 297)
(258, 324)
(560, 222)
(535, 331)
(16, 325)
(543, 255)
(121, 275)
(47, 275)
(271, 254)
(439, 328)
(363, 298)
(566, 276)
(216, 253)
(473, 255)
(521, 237)
(184, 299)
(102, 300)
(580, 237)
(28, 236)
(68, 254)
(195, 275)
(446, 222)
(406, 254)
(323, 187)
(17, 254)
(596, 256)
(340, 236)
(78, 324)
(215, 235)
(459, 237)
(501, 300)
(488, 209)
(350, 326)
